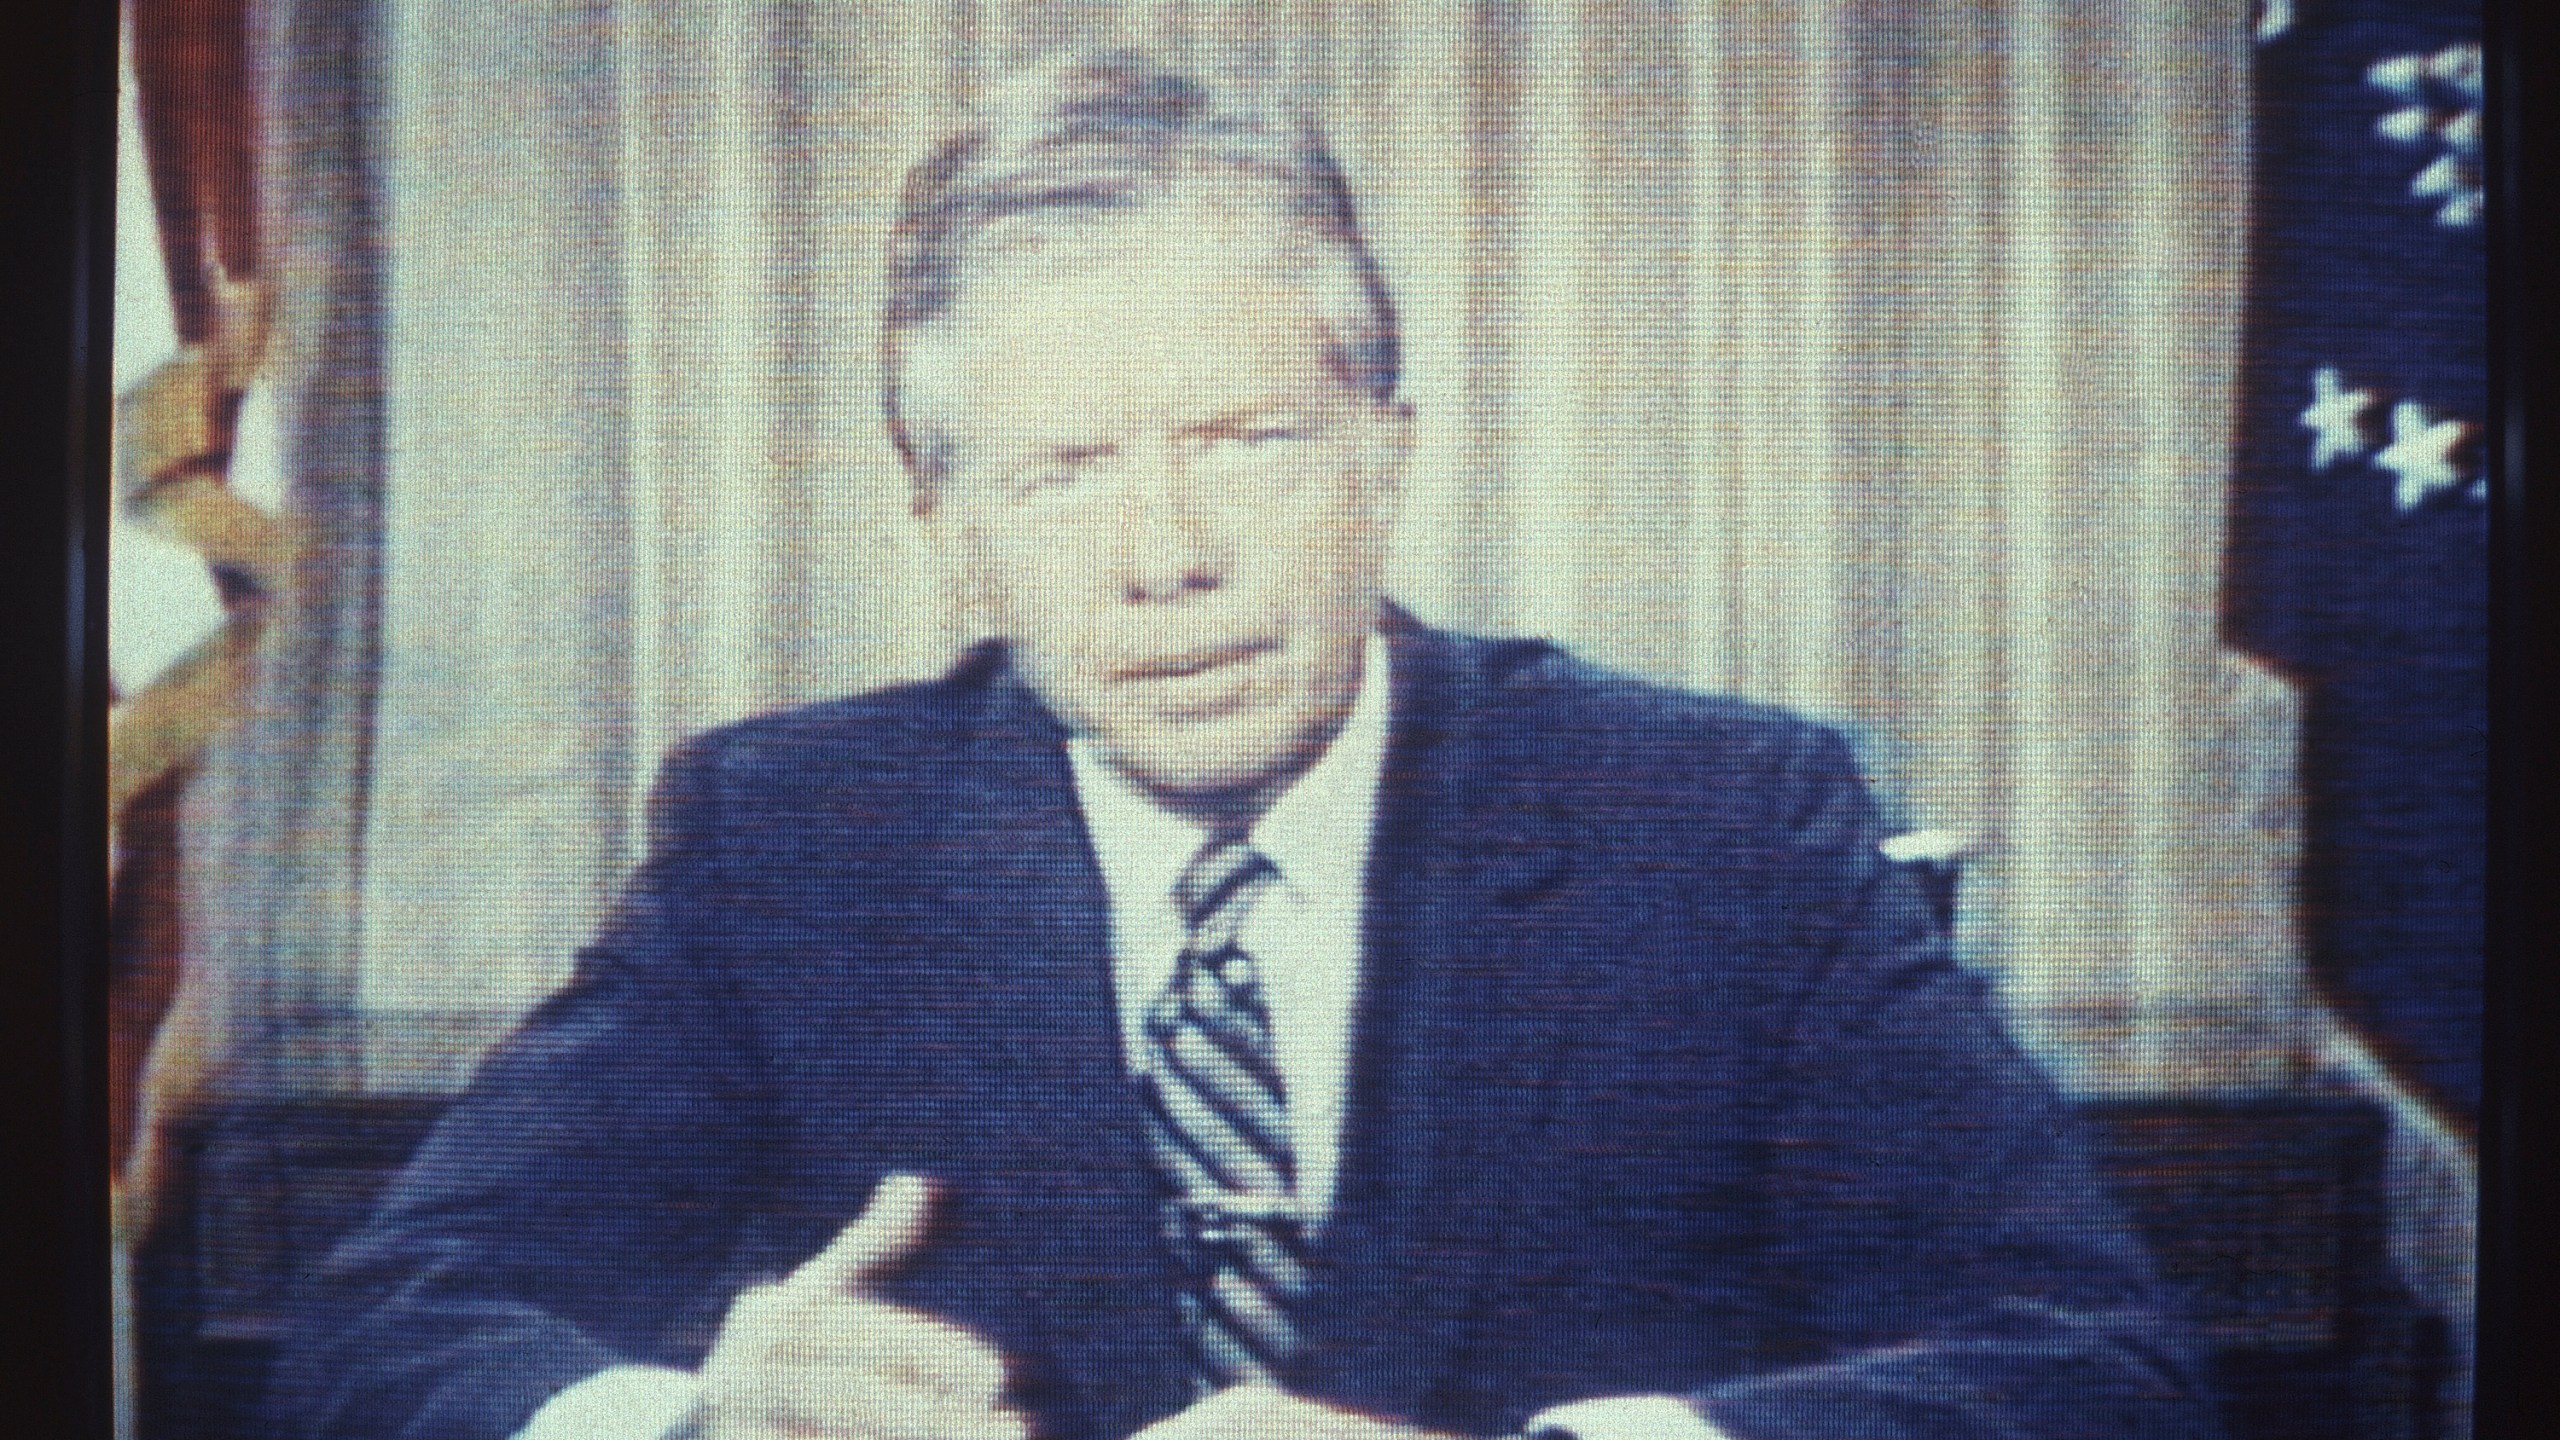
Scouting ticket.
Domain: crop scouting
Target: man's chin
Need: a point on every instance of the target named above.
(1223, 768)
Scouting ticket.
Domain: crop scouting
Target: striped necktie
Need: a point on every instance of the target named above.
(1219, 1122)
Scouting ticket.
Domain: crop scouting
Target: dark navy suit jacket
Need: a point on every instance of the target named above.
(1663, 1082)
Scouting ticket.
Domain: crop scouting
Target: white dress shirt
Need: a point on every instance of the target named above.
(1303, 933)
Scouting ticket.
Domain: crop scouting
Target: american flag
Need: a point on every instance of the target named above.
(2359, 541)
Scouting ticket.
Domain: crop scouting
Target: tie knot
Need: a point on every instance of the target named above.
(1225, 869)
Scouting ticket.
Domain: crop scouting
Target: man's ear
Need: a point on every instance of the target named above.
(954, 565)
(1388, 449)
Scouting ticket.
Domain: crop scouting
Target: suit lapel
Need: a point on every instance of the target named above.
(1449, 1053)
(1070, 1199)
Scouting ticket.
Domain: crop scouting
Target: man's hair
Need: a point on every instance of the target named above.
(1083, 135)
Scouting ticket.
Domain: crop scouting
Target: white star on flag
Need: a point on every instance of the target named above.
(2335, 419)
(2462, 132)
(2274, 18)
(2459, 66)
(2401, 75)
(2421, 454)
(2444, 177)
(2408, 125)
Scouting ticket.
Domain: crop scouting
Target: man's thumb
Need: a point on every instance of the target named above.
(889, 1229)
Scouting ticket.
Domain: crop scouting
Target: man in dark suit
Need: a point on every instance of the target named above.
(1223, 1008)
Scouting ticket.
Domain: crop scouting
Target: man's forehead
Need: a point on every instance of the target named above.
(1154, 316)
(1177, 260)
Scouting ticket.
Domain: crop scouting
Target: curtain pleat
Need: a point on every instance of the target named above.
(272, 825)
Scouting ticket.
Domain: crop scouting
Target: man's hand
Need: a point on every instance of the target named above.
(1259, 1412)
(814, 1355)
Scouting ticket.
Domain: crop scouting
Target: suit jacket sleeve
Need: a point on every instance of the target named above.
(612, 1137)
(1944, 1256)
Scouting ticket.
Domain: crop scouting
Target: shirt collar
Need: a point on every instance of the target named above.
(1316, 834)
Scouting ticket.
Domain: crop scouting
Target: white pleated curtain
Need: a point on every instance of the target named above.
(1874, 357)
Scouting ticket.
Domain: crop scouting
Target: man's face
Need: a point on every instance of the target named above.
(1165, 495)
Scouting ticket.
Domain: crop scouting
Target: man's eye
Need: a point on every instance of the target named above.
(1033, 479)
(1257, 436)
(1058, 472)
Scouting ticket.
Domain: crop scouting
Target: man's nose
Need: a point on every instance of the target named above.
(1171, 544)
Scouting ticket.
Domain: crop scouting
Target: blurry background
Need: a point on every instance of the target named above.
(1934, 367)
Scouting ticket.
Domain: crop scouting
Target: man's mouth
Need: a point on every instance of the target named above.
(1197, 661)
